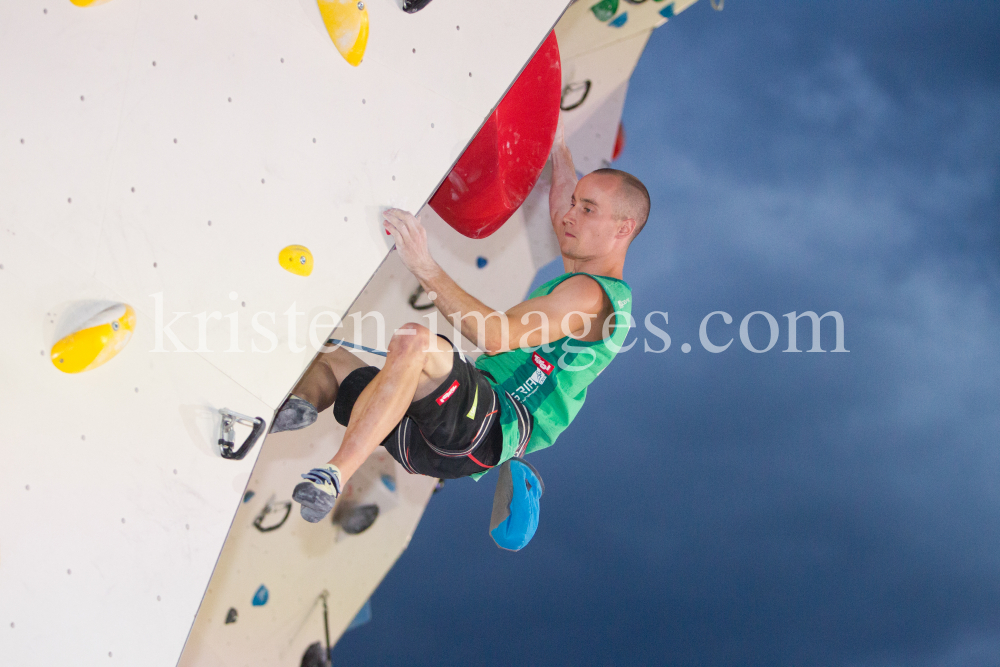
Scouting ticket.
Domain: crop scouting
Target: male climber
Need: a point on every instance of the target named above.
(438, 413)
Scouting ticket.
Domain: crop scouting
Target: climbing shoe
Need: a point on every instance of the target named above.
(294, 414)
(318, 493)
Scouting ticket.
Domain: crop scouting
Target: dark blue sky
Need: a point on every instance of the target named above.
(776, 508)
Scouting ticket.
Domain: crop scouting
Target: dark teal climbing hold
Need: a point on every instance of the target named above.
(481, 262)
(668, 11)
(619, 21)
(247, 496)
(231, 616)
(605, 9)
(260, 597)
(389, 483)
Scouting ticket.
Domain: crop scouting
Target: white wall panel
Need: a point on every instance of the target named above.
(581, 31)
(116, 502)
(222, 128)
(278, 141)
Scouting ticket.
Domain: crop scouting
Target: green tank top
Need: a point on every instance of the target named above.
(551, 381)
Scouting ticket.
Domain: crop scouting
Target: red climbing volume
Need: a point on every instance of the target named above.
(502, 164)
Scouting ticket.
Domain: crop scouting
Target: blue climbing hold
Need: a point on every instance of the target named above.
(260, 597)
(481, 262)
(668, 11)
(389, 482)
(515, 504)
(619, 20)
(363, 616)
(247, 496)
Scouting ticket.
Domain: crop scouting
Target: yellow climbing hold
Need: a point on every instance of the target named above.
(88, 3)
(347, 23)
(98, 338)
(297, 259)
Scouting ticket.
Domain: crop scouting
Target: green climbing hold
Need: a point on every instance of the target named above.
(605, 10)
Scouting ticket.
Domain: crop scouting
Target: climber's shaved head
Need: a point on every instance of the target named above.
(633, 197)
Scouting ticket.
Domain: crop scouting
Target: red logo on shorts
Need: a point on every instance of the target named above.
(446, 395)
(541, 363)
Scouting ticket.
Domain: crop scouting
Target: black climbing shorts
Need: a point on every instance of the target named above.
(452, 432)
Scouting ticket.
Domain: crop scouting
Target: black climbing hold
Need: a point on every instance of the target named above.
(315, 656)
(258, 523)
(574, 94)
(356, 520)
(413, 6)
(231, 616)
(417, 293)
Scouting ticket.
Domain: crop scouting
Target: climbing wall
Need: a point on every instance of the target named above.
(296, 561)
(270, 548)
(600, 45)
(160, 155)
